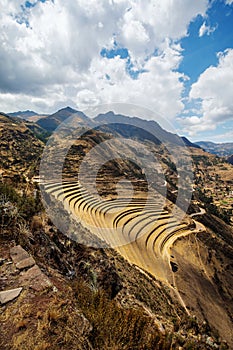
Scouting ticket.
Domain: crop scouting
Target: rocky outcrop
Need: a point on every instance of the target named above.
(21, 258)
(26, 274)
(25, 263)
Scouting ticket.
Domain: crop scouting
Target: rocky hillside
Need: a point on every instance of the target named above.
(204, 239)
(20, 148)
(57, 293)
(213, 184)
(230, 159)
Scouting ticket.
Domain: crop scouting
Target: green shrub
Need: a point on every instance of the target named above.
(15, 207)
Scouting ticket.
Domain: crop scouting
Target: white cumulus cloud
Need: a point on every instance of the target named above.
(214, 89)
(205, 29)
(50, 53)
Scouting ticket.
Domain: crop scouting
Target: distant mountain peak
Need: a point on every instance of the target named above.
(68, 109)
(29, 111)
(23, 114)
(151, 126)
(51, 122)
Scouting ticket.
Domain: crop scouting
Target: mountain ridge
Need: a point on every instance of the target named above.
(117, 121)
(51, 122)
(220, 149)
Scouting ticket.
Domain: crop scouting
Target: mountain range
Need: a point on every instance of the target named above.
(220, 149)
(77, 296)
(113, 121)
(27, 115)
(52, 121)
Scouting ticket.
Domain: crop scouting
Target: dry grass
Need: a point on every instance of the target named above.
(118, 328)
(80, 318)
(75, 320)
(56, 326)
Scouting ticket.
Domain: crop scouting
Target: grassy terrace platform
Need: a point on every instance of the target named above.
(138, 228)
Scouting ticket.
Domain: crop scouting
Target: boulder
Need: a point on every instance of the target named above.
(21, 258)
(26, 263)
(18, 254)
(35, 279)
(9, 295)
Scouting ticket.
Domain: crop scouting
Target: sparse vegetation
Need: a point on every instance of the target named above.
(212, 208)
(17, 211)
(81, 318)
(27, 205)
(97, 301)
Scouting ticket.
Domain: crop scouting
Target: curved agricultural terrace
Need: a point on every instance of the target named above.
(139, 229)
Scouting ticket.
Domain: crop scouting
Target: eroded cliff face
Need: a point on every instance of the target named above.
(204, 279)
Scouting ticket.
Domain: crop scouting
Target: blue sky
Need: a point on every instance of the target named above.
(201, 52)
(172, 57)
